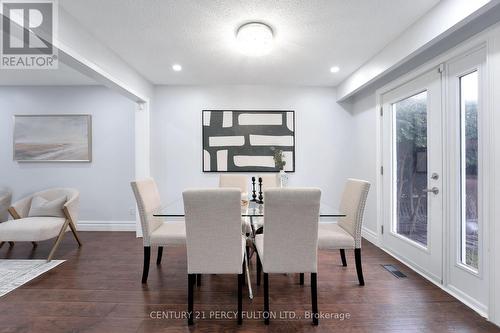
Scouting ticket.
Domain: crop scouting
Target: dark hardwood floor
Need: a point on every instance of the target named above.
(98, 289)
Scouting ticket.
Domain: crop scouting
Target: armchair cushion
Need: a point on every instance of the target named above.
(332, 236)
(31, 229)
(43, 207)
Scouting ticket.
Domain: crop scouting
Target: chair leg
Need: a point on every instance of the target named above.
(191, 282)
(73, 230)
(359, 269)
(145, 269)
(34, 244)
(259, 269)
(314, 297)
(198, 280)
(301, 279)
(240, 298)
(158, 257)
(342, 256)
(11, 244)
(266, 299)
(58, 240)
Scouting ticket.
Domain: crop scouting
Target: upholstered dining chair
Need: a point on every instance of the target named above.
(5, 201)
(241, 182)
(42, 216)
(214, 241)
(289, 243)
(346, 234)
(269, 180)
(155, 231)
(235, 181)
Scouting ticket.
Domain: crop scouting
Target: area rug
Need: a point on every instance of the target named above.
(15, 273)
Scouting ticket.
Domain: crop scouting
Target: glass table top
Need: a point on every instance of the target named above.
(248, 209)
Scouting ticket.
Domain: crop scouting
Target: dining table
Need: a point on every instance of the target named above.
(254, 210)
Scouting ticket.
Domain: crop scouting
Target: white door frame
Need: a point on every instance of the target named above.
(490, 38)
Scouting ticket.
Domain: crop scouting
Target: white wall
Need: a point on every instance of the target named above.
(364, 159)
(103, 183)
(323, 134)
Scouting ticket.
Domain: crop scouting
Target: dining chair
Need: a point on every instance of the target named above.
(214, 241)
(235, 181)
(346, 234)
(155, 231)
(269, 180)
(241, 182)
(289, 243)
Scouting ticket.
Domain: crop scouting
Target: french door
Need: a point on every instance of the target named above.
(467, 272)
(412, 149)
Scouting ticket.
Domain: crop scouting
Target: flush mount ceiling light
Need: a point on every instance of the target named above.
(177, 67)
(335, 69)
(255, 38)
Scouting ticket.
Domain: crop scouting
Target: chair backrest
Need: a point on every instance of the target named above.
(291, 230)
(148, 199)
(22, 207)
(235, 181)
(269, 180)
(5, 201)
(213, 231)
(353, 205)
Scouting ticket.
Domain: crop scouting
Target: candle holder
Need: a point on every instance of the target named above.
(261, 197)
(254, 193)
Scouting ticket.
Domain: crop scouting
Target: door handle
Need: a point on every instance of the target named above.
(434, 190)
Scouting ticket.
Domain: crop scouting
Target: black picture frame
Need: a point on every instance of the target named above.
(248, 169)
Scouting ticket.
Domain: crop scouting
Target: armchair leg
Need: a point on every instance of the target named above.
(359, 269)
(145, 268)
(301, 279)
(73, 230)
(342, 256)
(58, 240)
(266, 299)
(314, 297)
(191, 282)
(259, 269)
(240, 298)
(160, 253)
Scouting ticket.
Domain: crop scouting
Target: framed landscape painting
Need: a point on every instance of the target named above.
(52, 138)
(246, 140)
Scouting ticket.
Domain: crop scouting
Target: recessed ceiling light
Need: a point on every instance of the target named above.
(335, 69)
(255, 38)
(177, 67)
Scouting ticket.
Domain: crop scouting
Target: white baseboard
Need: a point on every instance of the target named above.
(468, 301)
(369, 235)
(105, 226)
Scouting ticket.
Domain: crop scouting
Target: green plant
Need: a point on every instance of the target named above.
(278, 158)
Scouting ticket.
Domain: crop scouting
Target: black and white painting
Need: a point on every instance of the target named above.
(52, 138)
(245, 141)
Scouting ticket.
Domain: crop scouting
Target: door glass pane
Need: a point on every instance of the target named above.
(469, 87)
(410, 162)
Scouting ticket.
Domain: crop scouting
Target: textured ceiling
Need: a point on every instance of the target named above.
(311, 36)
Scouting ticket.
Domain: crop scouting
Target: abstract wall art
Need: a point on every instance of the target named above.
(245, 141)
(52, 138)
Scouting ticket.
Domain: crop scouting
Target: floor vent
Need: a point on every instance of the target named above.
(394, 271)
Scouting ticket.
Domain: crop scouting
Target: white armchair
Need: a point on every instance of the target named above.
(155, 232)
(346, 234)
(214, 241)
(26, 228)
(289, 243)
(5, 201)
